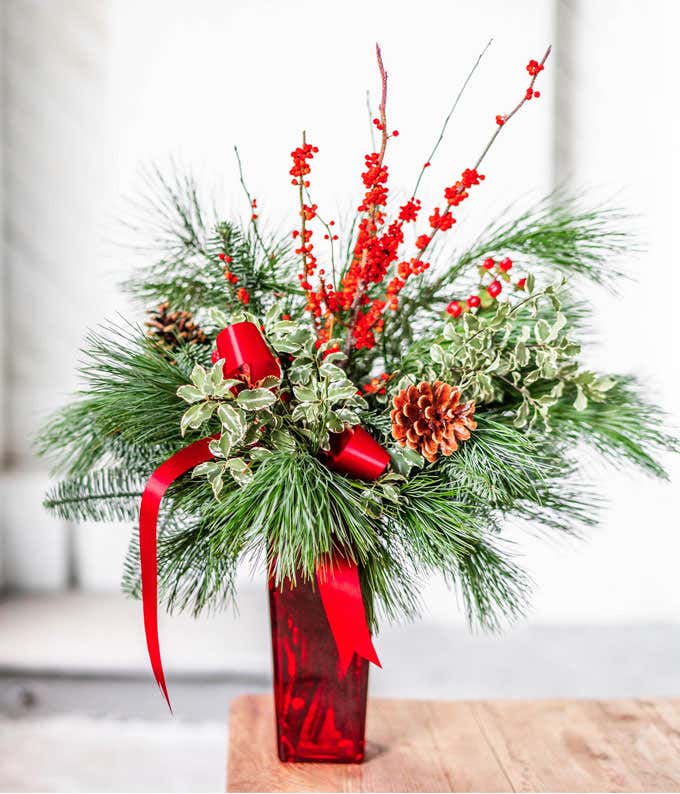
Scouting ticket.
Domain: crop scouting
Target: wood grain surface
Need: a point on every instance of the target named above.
(514, 745)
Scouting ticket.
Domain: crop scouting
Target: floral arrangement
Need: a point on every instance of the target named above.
(463, 367)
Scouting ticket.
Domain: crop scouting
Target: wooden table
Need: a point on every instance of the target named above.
(513, 745)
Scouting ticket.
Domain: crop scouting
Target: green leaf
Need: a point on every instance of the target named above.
(217, 484)
(542, 331)
(332, 372)
(283, 440)
(196, 416)
(557, 326)
(337, 355)
(341, 391)
(259, 453)
(437, 354)
(335, 423)
(216, 375)
(346, 415)
(255, 399)
(217, 317)
(604, 383)
(240, 471)
(273, 315)
(209, 469)
(199, 377)
(300, 374)
(522, 354)
(190, 394)
(232, 419)
(305, 393)
(581, 401)
(390, 492)
(225, 387)
(269, 382)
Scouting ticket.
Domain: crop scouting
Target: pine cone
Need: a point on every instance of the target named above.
(431, 419)
(173, 327)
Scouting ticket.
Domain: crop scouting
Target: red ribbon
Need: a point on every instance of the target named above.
(353, 452)
(155, 489)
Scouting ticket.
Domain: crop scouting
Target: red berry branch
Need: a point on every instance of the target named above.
(458, 192)
(377, 245)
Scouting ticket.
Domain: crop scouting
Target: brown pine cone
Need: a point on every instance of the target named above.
(173, 327)
(431, 419)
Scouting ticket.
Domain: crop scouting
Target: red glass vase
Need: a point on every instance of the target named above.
(320, 713)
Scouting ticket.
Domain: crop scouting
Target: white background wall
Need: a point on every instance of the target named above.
(93, 91)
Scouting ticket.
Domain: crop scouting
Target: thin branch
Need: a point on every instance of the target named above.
(488, 146)
(448, 118)
(369, 110)
(507, 118)
(330, 233)
(250, 203)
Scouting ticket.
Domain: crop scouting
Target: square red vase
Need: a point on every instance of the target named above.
(320, 713)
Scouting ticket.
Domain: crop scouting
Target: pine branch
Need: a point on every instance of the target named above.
(129, 400)
(102, 495)
(555, 234)
(623, 427)
(494, 589)
(190, 274)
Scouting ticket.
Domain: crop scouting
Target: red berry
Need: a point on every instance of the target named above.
(454, 308)
(521, 284)
(488, 263)
(505, 264)
(494, 289)
(214, 356)
(537, 94)
(473, 301)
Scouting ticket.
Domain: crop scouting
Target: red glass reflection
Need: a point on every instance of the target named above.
(320, 715)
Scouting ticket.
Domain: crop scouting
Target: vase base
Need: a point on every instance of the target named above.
(320, 758)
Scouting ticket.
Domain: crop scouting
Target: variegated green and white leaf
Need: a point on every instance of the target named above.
(255, 399)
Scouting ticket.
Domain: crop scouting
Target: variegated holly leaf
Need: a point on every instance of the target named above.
(195, 416)
(255, 399)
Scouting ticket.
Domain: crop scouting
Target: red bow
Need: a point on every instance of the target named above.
(353, 452)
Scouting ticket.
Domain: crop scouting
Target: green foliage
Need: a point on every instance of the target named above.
(557, 234)
(625, 427)
(269, 498)
(101, 495)
(186, 246)
(128, 404)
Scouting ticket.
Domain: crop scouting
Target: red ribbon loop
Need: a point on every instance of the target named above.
(353, 452)
(244, 350)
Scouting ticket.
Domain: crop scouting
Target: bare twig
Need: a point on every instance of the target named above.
(488, 146)
(369, 110)
(448, 118)
(250, 203)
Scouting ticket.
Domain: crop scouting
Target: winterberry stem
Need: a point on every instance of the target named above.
(448, 118)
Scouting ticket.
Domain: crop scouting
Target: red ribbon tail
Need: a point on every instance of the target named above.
(155, 489)
(340, 591)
